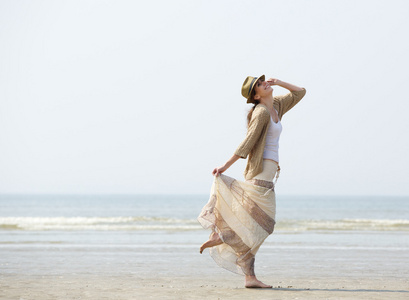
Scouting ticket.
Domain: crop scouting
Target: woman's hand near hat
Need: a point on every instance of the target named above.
(273, 81)
(286, 85)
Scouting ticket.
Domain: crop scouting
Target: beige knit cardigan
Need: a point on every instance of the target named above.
(253, 144)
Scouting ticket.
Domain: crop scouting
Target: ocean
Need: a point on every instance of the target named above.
(136, 220)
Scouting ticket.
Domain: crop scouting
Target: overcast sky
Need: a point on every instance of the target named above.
(144, 96)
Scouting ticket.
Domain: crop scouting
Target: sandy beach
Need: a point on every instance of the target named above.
(134, 287)
(180, 272)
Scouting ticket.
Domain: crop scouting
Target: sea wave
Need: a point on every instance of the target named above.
(97, 223)
(344, 225)
(174, 224)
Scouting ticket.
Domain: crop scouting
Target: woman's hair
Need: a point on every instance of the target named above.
(256, 102)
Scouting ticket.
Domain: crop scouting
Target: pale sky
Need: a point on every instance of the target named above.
(129, 97)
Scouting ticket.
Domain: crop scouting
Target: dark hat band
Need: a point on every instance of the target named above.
(251, 86)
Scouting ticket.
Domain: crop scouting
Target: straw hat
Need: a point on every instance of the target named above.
(248, 86)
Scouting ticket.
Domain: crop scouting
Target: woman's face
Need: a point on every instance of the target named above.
(262, 89)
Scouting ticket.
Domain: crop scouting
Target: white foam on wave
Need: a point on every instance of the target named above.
(97, 223)
(344, 224)
(174, 224)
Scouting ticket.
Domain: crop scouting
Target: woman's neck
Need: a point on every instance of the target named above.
(268, 101)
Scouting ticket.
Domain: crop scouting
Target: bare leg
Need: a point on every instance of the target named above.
(214, 240)
(253, 282)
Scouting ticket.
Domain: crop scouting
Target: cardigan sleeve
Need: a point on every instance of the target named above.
(259, 121)
(289, 100)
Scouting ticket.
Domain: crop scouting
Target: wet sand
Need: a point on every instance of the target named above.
(180, 272)
(214, 287)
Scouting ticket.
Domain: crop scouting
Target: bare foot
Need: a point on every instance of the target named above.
(253, 282)
(214, 240)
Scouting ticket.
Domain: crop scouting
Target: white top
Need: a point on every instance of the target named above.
(272, 138)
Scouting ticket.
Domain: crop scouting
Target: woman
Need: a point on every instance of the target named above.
(242, 214)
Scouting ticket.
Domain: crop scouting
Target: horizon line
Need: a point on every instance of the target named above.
(195, 194)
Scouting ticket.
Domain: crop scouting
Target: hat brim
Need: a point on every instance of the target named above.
(252, 87)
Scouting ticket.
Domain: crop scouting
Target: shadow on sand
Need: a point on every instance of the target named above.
(333, 290)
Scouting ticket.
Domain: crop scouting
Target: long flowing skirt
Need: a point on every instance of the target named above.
(243, 214)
